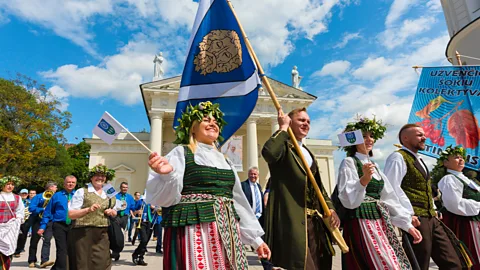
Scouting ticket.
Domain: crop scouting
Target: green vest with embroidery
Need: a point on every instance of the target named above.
(199, 179)
(417, 188)
(98, 217)
(470, 194)
(367, 210)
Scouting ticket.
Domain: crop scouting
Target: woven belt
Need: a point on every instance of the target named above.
(227, 226)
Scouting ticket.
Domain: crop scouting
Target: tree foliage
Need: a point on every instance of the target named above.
(80, 155)
(31, 132)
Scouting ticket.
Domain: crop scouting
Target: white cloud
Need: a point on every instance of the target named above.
(347, 37)
(334, 69)
(434, 5)
(372, 68)
(393, 37)
(118, 77)
(380, 86)
(61, 95)
(397, 9)
(67, 18)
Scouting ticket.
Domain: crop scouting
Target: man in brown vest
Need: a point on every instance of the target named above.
(410, 179)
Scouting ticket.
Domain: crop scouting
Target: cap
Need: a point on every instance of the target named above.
(24, 191)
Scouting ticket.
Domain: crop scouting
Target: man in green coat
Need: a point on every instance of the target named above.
(294, 229)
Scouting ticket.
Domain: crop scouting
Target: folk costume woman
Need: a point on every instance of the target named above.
(372, 207)
(90, 207)
(461, 200)
(12, 212)
(210, 219)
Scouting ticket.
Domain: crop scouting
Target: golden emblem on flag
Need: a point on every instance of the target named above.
(220, 51)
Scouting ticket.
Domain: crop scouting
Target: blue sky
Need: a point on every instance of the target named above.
(355, 55)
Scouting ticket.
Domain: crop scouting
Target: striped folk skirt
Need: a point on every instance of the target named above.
(468, 232)
(369, 245)
(199, 246)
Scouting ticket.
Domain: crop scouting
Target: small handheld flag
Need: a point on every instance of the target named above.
(110, 190)
(219, 67)
(350, 138)
(107, 128)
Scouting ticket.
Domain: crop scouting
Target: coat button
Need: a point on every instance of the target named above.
(303, 222)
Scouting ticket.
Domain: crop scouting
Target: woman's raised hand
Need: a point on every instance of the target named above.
(159, 164)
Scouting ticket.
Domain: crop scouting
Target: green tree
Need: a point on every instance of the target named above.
(80, 155)
(31, 131)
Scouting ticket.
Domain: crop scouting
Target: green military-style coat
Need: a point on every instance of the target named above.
(285, 213)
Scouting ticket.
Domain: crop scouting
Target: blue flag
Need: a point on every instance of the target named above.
(219, 67)
(447, 107)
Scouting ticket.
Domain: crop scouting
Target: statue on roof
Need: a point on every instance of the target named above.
(296, 78)
(157, 68)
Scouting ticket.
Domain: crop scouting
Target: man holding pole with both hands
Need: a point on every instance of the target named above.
(302, 241)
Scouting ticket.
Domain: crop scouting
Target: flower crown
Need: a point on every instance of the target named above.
(101, 169)
(439, 169)
(198, 112)
(374, 126)
(4, 180)
(451, 151)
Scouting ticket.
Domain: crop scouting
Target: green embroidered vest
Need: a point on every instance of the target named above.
(199, 179)
(470, 194)
(367, 210)
(417, 187)
(97, 218)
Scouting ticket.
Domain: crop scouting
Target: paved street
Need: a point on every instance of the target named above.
(154, 260)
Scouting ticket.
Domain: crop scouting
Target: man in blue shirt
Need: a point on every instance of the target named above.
(126, 203)
(159, 229)
(36, 208)
(57, 212)
(132, 222)
(22, 237)
(145, 233)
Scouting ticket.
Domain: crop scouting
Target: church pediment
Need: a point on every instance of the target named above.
(122, 168)
(281, 90)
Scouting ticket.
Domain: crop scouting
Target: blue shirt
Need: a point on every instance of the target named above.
(146, 208)
(36, 205)
(57, 208)
(131, 204)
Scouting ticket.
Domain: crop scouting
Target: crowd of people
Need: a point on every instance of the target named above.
(211, 218)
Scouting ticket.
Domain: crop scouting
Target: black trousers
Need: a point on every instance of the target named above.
(47, 237)
(60, 233)
(145, 233)
(22, 237)
(123, 224)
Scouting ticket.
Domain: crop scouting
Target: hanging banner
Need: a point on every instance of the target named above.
(447, 107)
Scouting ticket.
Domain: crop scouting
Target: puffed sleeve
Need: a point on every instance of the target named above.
(395, 169)
(250, 230)
(399, 215)
(77, 200)
(452, 191)
(165, 189)
(350, 191)
(20, 211)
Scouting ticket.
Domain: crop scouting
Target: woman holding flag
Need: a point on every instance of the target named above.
(210, 220)
(372, 206)
(90, 207)
(461, 199)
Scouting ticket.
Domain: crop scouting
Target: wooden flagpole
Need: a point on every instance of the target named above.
(327, 214)
(459, 59)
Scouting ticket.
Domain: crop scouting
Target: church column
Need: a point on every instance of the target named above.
(156, 131)
(252, 158)
(274, 124)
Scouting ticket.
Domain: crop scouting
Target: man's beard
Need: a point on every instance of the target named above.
(420, 147)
